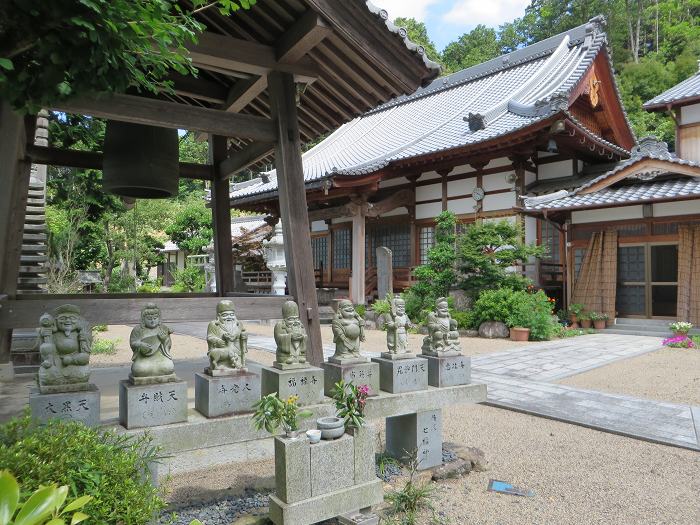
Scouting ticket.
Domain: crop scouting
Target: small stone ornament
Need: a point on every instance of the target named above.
(227, 342)
(348, 332)
(397, 330)
(443, 338)
(150, 342)
(65, 342)
(291, 339)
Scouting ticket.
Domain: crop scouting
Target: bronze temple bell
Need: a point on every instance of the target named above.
(140, 161)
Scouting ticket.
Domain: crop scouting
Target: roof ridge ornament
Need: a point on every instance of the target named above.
(476, 121)
(650, 146)
(547, 197)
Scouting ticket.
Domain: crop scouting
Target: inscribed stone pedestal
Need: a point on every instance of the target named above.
(292, 469)
(365, 440)
(358, 373)
(385, 271)
(307, 383)
(448, 371)
(332, 465)
(152, 405)
(420, 432)
(402, 375)
(75, 406)
(225, 395)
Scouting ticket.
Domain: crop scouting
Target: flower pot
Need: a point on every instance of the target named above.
(680, 334)
(291, 434)
(599, 324)
(519, 334)
(331, 427)
(573, 318)
(574, 326)
(586, 323)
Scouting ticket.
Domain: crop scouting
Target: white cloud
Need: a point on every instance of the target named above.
(417, 9)
(490, 13)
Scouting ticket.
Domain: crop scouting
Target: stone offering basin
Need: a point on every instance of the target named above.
(331, 427)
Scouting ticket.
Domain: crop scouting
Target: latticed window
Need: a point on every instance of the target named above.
(426, 240)
(396, 237)
(319, 250)
(342, 248)
(550, 240)
(579, 254)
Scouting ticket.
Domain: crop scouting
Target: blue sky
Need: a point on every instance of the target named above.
(446, 20)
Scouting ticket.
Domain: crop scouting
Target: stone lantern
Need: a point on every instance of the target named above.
(273, 252)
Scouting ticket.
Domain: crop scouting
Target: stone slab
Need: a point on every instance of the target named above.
(292, 469)
(358, 373)
(326, 506)
(365, 440)
(358, 518)
(306, 383)
(448, 371)
(7, 372)
(73, 406)
(152, 405)
(332, 465)
(419, 433)
(226, 395)
(402, 375)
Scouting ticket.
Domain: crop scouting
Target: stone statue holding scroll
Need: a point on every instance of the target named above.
(348, 332)
(291, 339)
(397, 330)
(227, 341)
(443, 338)
(150, 342)
(65, 342)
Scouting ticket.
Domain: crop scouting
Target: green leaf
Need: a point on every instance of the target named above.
(56, 521)
(7, 64)
(38, 507)
(9, 496)
(60, 496)
(77, 504)
(78, 517)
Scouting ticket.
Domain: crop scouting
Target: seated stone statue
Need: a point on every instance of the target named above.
(227, 341)
(291, 339)
(65, 342)
(348, 332)
(443, 338)
(150, 342)
(397, 330)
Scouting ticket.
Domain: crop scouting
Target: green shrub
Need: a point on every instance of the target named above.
(492, 305)
(150, 286)
(381, 306)
(190, 279)
(104, 346)
(111, 468)
(464, 319)
(121, 282)
(361, 310)
(99, 328)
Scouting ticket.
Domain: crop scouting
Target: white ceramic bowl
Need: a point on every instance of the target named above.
(313, 435)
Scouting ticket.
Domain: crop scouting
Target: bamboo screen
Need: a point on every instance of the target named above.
(597, 280)
(689, 273)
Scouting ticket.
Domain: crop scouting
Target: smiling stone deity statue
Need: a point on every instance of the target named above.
(291, 339)
(65, 342)
(227, 341)
(443, 338)
(150, 343)
(397, 331)
(348, 332)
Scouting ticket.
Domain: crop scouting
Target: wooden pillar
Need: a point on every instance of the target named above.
(293, 208)
(14, 179)
(413, 235)
(357, 281)
(221, 218)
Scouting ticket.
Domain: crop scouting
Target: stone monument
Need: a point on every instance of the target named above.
(446, 364)
(64, 390)
(291, 339)
(385, 271)
(153, 395)
(397, 330)
(226, 387)
(347, 362)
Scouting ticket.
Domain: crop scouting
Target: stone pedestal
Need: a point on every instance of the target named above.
(358, 373)
(75, 406)
(448, 371)
(152, 405)
(402, 375)
(307, 383)
(420, 432)
(226, 395)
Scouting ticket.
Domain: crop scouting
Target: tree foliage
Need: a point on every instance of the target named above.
(191, 228)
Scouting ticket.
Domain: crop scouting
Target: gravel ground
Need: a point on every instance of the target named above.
(669, 374)
(221, 511)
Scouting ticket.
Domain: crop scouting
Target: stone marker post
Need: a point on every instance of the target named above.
(385, 271)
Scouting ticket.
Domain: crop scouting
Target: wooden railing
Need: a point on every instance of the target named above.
(257, 282)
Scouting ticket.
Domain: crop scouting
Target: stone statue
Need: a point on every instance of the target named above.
(443, 338)
(348, 332)
(150, 342)
(397, 330)
(291, 339)
(227, 341)
(65, 342)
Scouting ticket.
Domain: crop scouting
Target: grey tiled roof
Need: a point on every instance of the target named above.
(686, 90)
(509, 93)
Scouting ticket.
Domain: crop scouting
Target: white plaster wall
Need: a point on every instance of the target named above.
(496, 181)
(497, 163)
(429, 175)
(607, 214)
(510, 218)
(555, 170)
(690, 114)
(530, 177)
(460, 206)
(464, 168)
(460, 187)
(319, 226)
(666, 209)
(428, 211)
(530, 229)
(432, 191)
(500, 201)
(398, 211)
(393, 182)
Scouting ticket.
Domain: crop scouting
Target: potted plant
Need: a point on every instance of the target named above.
(680, 328)
(350, 402)
(519, 320)
(584, 319)
(575, 310)
(271, 413)
(600, 320)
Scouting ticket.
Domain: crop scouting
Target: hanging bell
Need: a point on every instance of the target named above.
(140, 161)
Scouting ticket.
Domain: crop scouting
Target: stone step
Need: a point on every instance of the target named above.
(34, 219)
(38, 269)
(650, 333)
(34, 248)
(644, 323)
(34, 237)
(27, 291)
(36, 202)
(37, 228)
(35, 210)
(33, 186)
(33, 258)
(32, 280)
(36, 194)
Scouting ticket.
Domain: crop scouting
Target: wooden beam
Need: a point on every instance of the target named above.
(93, 160)
(221, 220)
(293, 208)
(240, 160)
(24, 312)
(244, 92)
(199, 88)
(152, 112)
